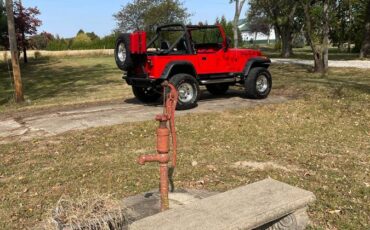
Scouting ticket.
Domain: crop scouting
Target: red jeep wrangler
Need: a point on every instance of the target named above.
(190, 56)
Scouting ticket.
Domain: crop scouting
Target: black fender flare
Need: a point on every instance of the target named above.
(184, 67)
(256, 62)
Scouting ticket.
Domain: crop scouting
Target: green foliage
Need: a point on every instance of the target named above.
(82, 42)
(3, 25)
(40, 41)
(81, 38)
(146, 14)
(346, 22)
(228, 27)
(92, 36)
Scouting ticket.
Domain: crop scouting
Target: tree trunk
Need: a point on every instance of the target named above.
(319, 61)
(287, 33)
(325, 43)
(238, 10)
(235, 31)
(320, 51)
(287, 40)
(25, 59)
(349, 41)
(277, 37)
(365, 49)
(14, 53)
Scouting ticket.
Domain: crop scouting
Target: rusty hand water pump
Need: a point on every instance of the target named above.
(165, 129)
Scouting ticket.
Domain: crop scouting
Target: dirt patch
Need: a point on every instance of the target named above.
(262, 166)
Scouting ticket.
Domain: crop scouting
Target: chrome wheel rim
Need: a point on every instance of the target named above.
(122, 52)
(186, 92)
(262, 83)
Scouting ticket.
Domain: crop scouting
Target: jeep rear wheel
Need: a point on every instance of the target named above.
(217, 89)
(122, 52)
(188, 89)
(145, 95)
(258, 83)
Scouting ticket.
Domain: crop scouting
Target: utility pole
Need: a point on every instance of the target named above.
(14, 53)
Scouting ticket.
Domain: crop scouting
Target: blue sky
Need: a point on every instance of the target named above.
(66, 17)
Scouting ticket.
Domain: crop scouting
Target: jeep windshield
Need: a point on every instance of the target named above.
(206, 38)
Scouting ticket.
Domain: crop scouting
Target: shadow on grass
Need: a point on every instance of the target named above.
(49, 78)
(306, 54)
(204, 97)
(338, 84)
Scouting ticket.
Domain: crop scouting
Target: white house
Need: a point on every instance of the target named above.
(247, 35)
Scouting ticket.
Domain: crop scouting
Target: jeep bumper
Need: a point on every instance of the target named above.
(140, 80)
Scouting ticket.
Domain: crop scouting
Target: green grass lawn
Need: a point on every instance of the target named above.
(322, 138)
(56, 82)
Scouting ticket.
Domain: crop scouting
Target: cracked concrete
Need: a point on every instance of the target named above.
(54, 123)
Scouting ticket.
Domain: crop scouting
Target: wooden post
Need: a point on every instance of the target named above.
(14, 53)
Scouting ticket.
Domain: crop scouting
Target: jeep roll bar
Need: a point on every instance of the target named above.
(185, 35)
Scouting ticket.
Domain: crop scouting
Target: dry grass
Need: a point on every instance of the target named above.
(322, 137)
(86, 212)
(61, 54)
(56, 82)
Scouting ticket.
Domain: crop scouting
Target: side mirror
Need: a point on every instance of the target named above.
(228, 43)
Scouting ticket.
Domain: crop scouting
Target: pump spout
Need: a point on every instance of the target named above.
(160, 158)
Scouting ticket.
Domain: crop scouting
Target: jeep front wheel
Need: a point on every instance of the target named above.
(258, 83)
(188, 89)
(146, 95)
(217, 89)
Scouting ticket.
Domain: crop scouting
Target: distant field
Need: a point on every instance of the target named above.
(319, 141)
(66, 53)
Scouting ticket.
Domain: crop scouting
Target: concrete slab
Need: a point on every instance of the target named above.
(267, 204)
(9, 128)
(148, 204)
(54, 123)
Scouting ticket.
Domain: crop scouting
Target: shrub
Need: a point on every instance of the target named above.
(38, 55)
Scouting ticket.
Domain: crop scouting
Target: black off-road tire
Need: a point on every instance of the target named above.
(146, 95)
(253, 88)
(123, 57)
(183, 83)
(218, 89)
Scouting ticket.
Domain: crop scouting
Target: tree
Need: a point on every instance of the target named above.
(238, 10)
(14, 53)
(283, 16)
(259, 25)
(365, 49)
(92, 36)
(229, 28)
(146, 14)
(317, 31)
(3, 25)
(40, 41)
(26, 22)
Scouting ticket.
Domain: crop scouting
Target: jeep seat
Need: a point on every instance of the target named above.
(181, 46)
